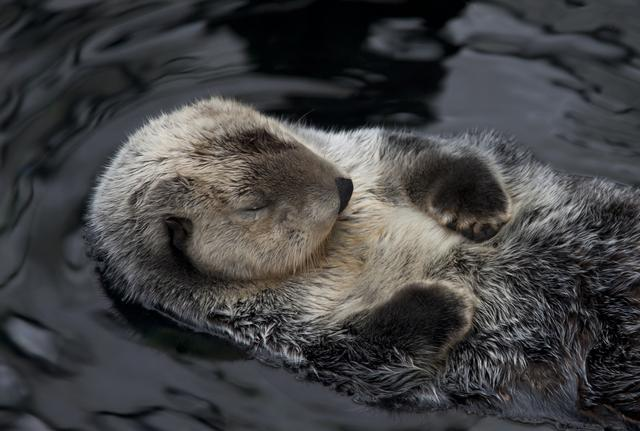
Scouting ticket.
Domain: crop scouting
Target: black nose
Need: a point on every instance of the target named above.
(345, 188)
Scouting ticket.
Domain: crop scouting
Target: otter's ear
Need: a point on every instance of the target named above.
(179, 230)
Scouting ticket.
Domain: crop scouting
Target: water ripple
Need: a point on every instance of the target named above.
(78, 76)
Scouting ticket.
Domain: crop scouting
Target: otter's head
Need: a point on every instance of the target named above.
(218, 188)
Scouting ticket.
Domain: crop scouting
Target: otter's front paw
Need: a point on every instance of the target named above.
(421, 317)
(460, 192)
(469, 201)
(469, 224)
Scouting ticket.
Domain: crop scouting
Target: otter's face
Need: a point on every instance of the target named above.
(250, 204)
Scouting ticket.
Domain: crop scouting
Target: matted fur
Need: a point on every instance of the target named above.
(554, 297)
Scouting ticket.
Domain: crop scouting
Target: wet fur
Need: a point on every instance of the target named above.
(554, 296)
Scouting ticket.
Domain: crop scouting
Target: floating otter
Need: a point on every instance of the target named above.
(412, 272)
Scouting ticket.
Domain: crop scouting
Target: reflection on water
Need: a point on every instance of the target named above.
(78, 76)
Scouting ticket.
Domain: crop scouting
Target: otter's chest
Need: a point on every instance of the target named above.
(383, 247)
(408, 244)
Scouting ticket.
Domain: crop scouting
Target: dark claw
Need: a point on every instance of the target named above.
(488, 232)
(483, 233)
(467, 232)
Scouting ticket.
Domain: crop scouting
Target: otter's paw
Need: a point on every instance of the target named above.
(461, 193)
(476, 229)
(421, 317)
(473, 205)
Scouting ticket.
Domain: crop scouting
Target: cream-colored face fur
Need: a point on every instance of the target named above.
(230, 191)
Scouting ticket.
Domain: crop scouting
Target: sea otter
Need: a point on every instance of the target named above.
(409, 271)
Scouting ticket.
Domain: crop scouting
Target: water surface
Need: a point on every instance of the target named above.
(79, 76)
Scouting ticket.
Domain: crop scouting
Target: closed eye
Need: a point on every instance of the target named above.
(252, 213)
(257, 207)
(251, 201)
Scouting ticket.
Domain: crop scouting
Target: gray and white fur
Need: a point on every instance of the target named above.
(462, 273)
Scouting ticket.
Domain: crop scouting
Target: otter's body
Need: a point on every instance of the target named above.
(412, 300)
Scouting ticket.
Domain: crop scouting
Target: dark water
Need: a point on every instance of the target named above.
(77, 76)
